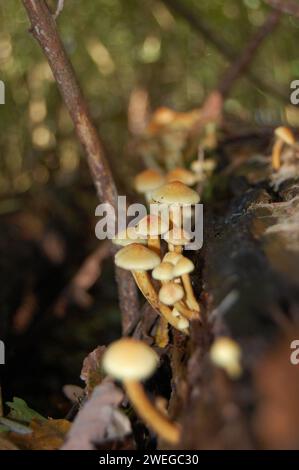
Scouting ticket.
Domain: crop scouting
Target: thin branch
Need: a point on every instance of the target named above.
(289, 7)
(242, 63)
(44, 30)
(212, 106)
(221, 45)
(59, 8)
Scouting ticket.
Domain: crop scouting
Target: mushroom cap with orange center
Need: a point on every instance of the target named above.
(171, 293)
(151, 225)
(175, 193)
(136, 257)
(183, 266)
(130, 359)
(177, 236)
(148, 180)
(163, 272)
(128, 236)
(181, 174)
(172, 257)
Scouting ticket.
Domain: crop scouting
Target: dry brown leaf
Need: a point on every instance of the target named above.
(99, 420)
(46, 435)
(5, 444)
(91, 372)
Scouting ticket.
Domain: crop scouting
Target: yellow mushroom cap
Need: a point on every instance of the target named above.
(151, 225)
(175, 193)
(183, 266)
(226, 353)
(182, 175)
(285, 134)
(148, 180)
(163, 272)
(130, 359)
(183, 323)
(177, 236)
(197, 166)
(171, 293)
(136, 257)
(163, 116)
(172, 257)
(128, 236)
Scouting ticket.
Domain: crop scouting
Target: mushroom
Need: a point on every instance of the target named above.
(147, 181)
(171, 293)
(172, 257)
(226, 353)
(181, 174)
(162, 335)
(163, 272)
(128, 236)
(151, 226)
(183, 321)
(131, 361)
(182, 269)
(175, 195)
(176, 239)
(283, 135)
(140, 259)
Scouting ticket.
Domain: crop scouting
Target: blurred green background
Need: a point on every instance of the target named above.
(118, 47)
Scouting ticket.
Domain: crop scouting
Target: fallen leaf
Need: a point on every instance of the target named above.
(5, 444)
(91, 372)
(46, 435)
(20, 411)
(99, 420)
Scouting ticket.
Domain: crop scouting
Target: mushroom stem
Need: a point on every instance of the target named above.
(276, 153)
(157, 421)
(162, 337)
(185, 311)
(190, 298)
(154, 244)
(143, 282)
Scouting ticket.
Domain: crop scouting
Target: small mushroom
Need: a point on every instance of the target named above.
(226, 354)
(131, 361)
(283, 135)
(172, 257)
(182, 269)
(183, 321)
(176, 195)
(147, 181)
(152, 226)
(140, 259)
(128, 236)
(163, 272)
(181, 174)
(176, 239)
(171, 293)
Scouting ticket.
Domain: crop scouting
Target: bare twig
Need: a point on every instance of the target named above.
(59, 8)
(242, 63)
(77, 289)
(289, 7)
(212, 107)
(43, 28)
(221, 45)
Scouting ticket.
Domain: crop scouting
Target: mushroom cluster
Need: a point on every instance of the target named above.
(163, 278)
